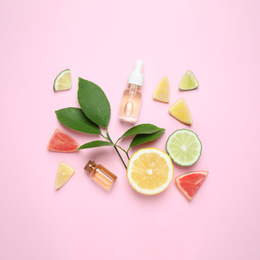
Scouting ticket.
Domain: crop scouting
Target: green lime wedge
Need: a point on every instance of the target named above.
(62, 81)
(184, 147)
(188, 81)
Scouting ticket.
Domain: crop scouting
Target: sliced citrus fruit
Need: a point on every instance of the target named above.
(188, 81)
(180, 111)
(150, 171)
(62, 81)
(162, 91)
(62, 142)
(189, 183)
(184, 147)
(64, 173)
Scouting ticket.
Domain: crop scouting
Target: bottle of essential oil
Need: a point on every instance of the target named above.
(100, 174)
(132, 95)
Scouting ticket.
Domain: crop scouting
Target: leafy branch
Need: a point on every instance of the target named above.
(94, 112)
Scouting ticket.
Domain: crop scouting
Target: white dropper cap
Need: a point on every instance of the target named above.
(136, 77)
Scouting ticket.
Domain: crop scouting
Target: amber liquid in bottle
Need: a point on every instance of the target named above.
(100, 174)
(130, 103)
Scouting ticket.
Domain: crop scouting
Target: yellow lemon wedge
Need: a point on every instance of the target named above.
(64, 173)
(162, 91)
(180, 111)
(62, 81)
(150, 171)
(188, 81)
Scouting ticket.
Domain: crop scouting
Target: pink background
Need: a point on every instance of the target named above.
(100, 41)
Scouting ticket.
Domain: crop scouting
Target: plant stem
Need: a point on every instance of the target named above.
(117, 141)
(123, 151)
(108, 137)
(104, 136)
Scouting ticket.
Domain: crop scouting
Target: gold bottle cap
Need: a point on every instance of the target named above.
(90, 166)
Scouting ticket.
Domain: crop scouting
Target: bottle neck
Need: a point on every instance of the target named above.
(133, 86)
(90, 166)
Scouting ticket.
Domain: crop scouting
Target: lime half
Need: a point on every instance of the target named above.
(184, 147)
(62, 81)
(188, 81)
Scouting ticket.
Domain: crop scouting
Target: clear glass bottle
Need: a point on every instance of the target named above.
(100, 174)
(131, 100)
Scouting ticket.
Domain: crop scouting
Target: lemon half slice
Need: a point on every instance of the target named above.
(150, 171)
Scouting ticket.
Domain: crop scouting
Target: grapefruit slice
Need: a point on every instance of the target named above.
(180, 111)
(162, 91)
(189, 183)
(64, 173)
(62, 142)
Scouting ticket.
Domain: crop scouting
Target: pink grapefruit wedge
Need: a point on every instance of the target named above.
(62, 142)
(189, 183)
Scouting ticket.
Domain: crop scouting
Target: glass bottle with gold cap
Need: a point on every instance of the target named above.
(100, 174)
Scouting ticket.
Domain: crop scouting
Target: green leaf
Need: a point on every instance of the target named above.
(93, 144)
(75, 119)
(94, 102)
(141, 129)
(143, 138)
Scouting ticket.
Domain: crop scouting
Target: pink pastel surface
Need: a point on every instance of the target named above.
(100, 41)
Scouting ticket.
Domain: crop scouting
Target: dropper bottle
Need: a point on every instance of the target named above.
(132, 95)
